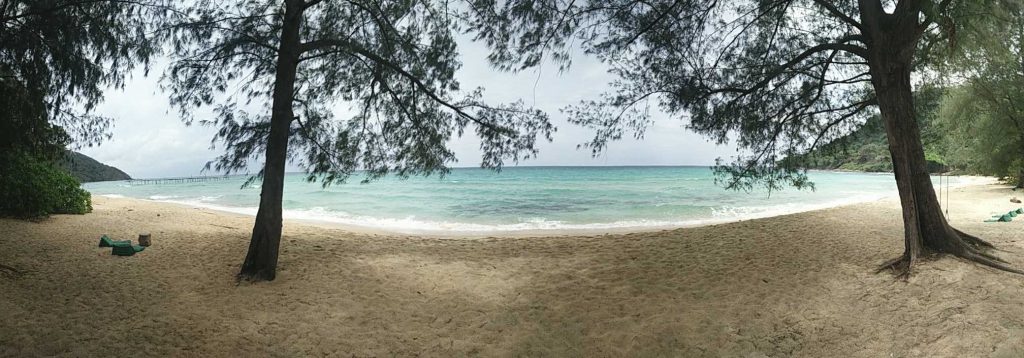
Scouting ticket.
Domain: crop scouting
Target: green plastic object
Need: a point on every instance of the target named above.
(1019, 211)
(105, 241)
(1012, 214)
(1000, 218)
(126, 250)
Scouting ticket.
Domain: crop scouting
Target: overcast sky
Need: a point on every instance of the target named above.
(149, 140)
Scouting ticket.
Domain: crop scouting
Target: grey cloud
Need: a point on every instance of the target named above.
(150, 140)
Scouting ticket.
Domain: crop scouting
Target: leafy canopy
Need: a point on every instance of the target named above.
(777, 77)
(391, 64)
(984, 114)
(57, 57)
(35, 188)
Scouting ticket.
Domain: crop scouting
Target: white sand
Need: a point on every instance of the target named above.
(796, 285)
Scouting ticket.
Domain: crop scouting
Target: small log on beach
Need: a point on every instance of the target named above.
(144, 239)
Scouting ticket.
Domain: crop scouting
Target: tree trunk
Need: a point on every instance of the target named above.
(891, 47)
(261, 260)
(1020, 172)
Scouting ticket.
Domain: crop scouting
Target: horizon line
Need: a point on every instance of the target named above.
(465, 167)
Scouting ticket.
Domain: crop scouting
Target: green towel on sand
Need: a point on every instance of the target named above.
(107, 242)
(126, 250)
(1001, 218)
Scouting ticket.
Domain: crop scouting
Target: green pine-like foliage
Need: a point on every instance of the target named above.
(56, 59)
(866, 148)
(34, 187)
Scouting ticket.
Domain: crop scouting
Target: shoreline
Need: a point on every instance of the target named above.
(497, 233)
(798, 285)
(597, 229)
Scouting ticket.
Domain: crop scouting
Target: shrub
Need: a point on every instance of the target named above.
(30, 187)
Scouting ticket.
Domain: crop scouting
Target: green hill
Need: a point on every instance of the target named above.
(86, 169)
(866, 149)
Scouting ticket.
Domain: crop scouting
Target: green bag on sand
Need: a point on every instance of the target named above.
(107, 242)
(1019, 211)
(1012, 214)
(1001, 218)
(126, 250)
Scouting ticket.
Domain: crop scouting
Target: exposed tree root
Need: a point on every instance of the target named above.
(973, 250)
(253, 277)
(988, 260)
(900, 267)
(974, 240)
(979, 243)
(989, 256)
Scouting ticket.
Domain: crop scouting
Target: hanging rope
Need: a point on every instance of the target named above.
(947, 198)
(940, 194)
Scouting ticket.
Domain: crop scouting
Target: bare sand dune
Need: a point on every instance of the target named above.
(796, 285)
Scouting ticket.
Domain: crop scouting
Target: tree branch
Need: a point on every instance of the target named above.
(651, 25)
(853, 49)
(354, 48)
(311, 3)
(832, 9)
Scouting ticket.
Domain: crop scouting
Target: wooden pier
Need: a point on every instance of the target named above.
(176, 180)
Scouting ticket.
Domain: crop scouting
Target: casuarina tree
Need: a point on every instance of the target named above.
(275, 73)
(57, 57)
(780, 77)
(984, 113)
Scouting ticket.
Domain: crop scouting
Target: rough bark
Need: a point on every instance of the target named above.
(261, 260)
(1020, 172)
(1020, 179)
(892, 40)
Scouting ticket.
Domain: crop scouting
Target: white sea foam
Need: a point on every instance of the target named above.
(412, 224)
(162, 197)
(733, 213)
(115, 196)
(202, 204)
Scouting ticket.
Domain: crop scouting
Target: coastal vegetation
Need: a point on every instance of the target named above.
(983, 115)
(35, 188)
(777, 78)
(866, 149)
(86, 169)
(970, 115)
(967, 129)
(56, 59)
(537, 261)
(394, 63)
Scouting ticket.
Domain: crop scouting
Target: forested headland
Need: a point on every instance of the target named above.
(865, 148)
(86, 169)
(961, 131)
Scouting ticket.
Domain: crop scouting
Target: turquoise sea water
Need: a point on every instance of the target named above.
(522, 198)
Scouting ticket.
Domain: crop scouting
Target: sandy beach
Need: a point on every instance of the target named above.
(795, 285)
